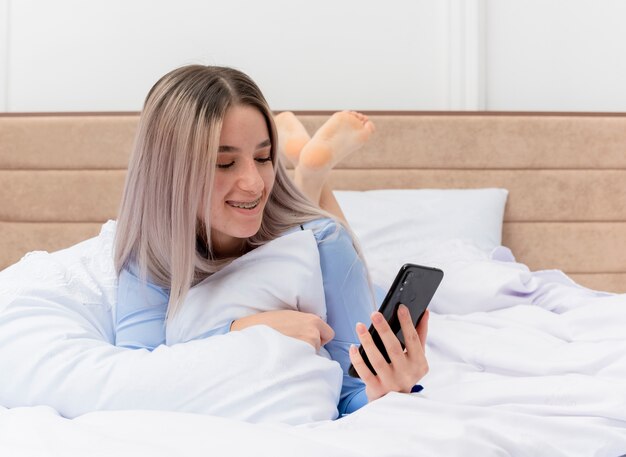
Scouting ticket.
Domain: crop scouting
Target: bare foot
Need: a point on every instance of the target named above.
(292, 136)
(342, 134)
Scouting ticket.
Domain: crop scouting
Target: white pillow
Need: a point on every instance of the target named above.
(282, 274)
(396, 226)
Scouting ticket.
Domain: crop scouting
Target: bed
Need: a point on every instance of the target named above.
(526, 214)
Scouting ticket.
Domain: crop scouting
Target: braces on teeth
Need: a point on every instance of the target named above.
(246, 205)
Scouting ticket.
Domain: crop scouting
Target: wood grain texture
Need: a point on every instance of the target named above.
(534, 195)
(61, 177)
(585, 247)
(18, 238)
(66, 142)
(491, 142)
(60, 195)
(607, 282)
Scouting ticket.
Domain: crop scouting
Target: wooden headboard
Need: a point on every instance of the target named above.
(62, 176)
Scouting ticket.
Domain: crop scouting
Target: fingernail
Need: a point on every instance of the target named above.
(403, 310)
(360, 328)
(352, 349)
(377, 318)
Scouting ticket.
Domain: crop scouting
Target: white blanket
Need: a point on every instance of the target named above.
(521, 364)
(56, 331)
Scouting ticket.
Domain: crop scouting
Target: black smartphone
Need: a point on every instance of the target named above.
(414, 286)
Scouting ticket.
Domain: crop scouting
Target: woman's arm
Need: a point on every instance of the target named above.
(140, 314)
(141, 309)
(349, 300)
(295, 324)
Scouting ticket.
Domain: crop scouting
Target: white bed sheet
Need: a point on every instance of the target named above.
(522, 364)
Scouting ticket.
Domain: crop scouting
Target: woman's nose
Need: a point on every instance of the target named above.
(250, 179)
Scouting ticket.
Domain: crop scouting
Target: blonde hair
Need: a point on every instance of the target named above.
(170, 176)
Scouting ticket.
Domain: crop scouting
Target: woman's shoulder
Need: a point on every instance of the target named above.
(326, 229)
(131, 278)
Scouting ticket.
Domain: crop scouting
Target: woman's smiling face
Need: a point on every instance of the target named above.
(244, 178)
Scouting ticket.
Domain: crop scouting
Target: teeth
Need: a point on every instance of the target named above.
(245, 205)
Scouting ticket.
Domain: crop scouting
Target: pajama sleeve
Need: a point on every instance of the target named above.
(348, 300)
(140, 314)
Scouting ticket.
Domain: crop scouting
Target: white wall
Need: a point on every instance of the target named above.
(536, 55)
(566, 55)
(105, 54)
(4, 49)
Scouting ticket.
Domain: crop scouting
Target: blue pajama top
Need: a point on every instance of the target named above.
(140, 315)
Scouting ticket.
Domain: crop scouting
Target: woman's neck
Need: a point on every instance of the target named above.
(233, 247)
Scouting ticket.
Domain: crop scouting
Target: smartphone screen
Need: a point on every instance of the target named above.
(414, 286)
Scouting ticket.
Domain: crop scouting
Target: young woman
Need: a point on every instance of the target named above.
(205, 185)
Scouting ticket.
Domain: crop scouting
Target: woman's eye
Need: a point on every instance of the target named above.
(226, 165)
(264, 159)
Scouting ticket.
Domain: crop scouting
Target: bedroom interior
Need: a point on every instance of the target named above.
(499, 156)
(521, 358)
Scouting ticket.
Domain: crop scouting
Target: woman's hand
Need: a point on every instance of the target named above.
(406, 367)
(303, 326)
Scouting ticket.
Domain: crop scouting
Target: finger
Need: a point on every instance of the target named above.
(422, 328)
(376, 359)
(311, 331)
(326, 332)
(315, 340)
(361, 367)
(411, 337)
(390, 340)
